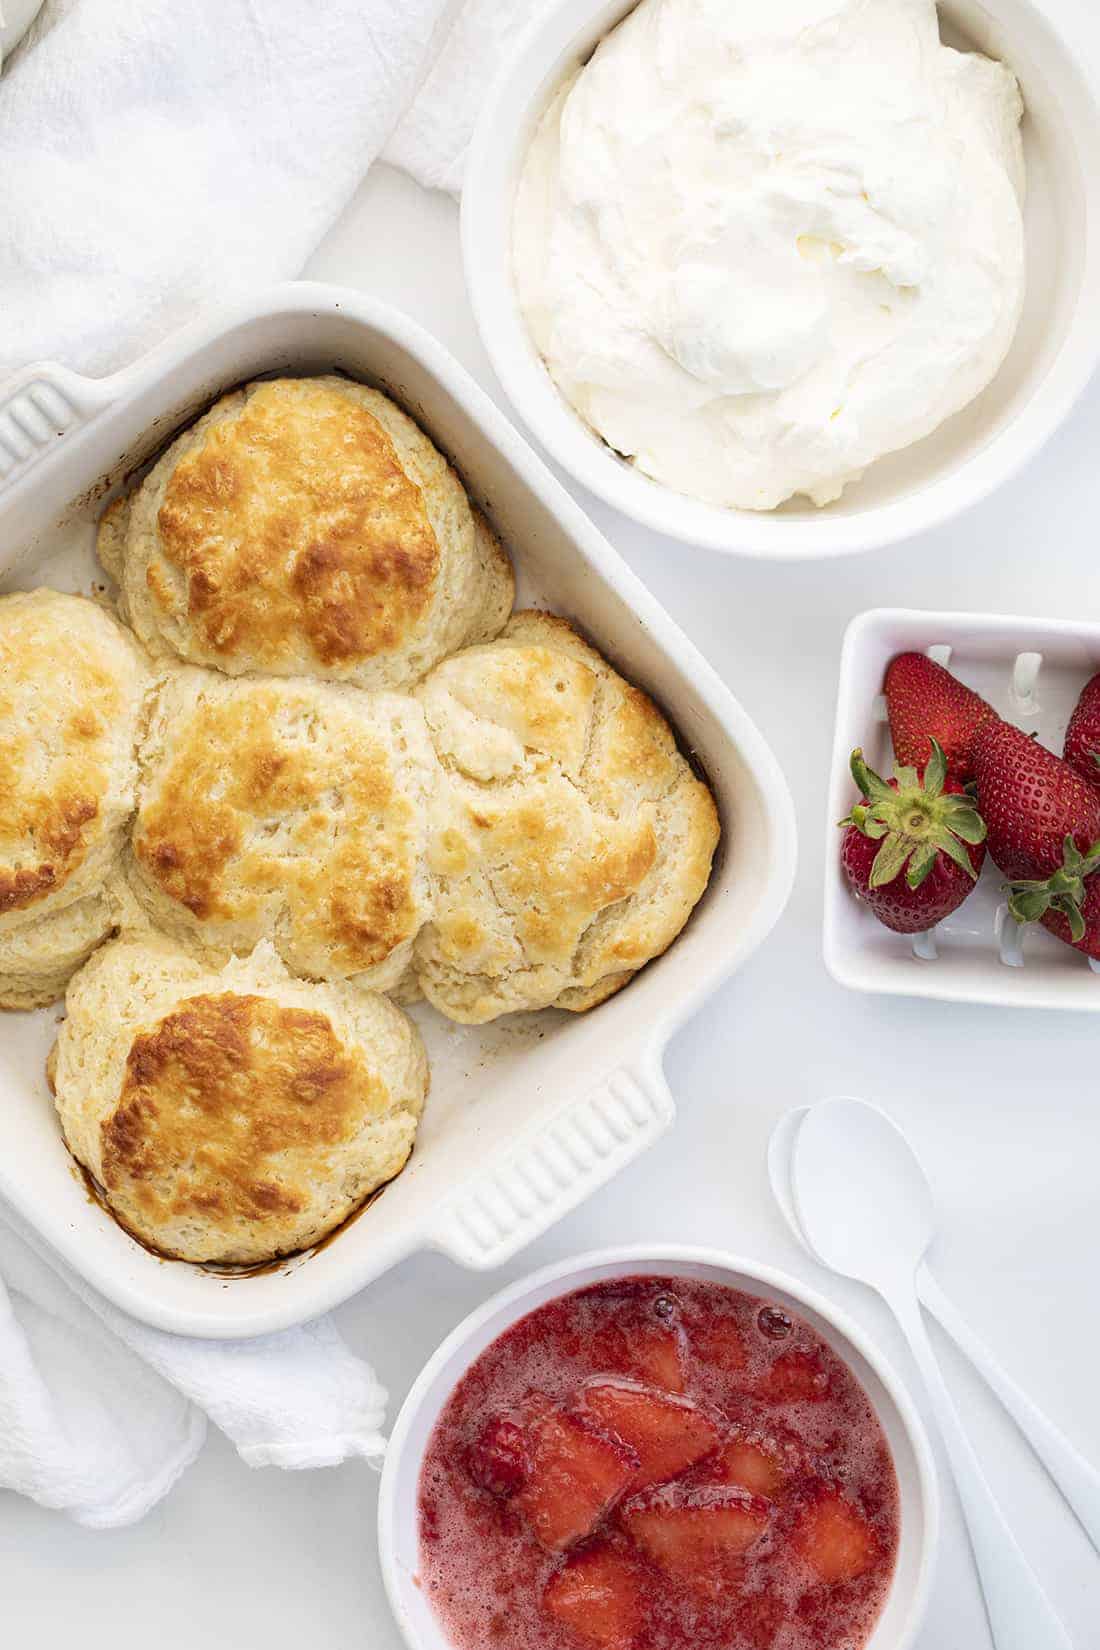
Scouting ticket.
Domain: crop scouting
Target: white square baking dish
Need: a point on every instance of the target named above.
(1031, 671)
(528, 1116)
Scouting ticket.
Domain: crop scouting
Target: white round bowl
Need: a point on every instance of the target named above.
(398, 1538)
(1053, 355)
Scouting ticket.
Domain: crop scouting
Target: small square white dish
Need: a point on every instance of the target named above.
(526, 1116)
(1031, 671)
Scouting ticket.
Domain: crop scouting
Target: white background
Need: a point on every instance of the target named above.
(1004, 1109)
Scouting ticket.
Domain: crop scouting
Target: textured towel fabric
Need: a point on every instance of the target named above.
(99, 1415)
(156, 159)
(432, 139)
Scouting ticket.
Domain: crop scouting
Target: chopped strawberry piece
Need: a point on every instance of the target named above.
(695, 1535)
(795, 1377)
(598, 1595)
(834, 1539)
(499, 1461)
(667, 1434)
(746, 1465)
(648, 1352)
(720, 1344)
(576, 1474)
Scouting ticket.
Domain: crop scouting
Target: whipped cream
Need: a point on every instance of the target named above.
(760, 243)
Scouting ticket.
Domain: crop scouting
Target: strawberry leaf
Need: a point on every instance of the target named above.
(950, 845)
(935, 771)
(889, 860)
(1072, 913)
(964, 820)
(870, 785)
(920, 865)
(1028, 904)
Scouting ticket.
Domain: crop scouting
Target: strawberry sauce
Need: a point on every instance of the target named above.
(658, 1464)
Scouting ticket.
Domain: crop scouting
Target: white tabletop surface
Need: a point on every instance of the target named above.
(1004, 1110)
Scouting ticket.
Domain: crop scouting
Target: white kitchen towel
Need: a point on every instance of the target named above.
(99, 1415)
(157, 158)
(433, 137)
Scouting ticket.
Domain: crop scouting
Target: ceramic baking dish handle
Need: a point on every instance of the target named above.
(541, 1178)
(39, 407)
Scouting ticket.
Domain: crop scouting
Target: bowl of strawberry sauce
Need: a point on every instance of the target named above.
(658, 1451)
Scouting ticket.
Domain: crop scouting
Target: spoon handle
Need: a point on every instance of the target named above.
(1078, 1481)
(1020, 1614)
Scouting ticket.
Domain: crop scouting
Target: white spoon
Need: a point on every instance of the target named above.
(1078, 1481)
(864, 1204)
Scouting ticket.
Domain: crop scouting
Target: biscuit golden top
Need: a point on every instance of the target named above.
(227, 1105)
(69, 687)
(571, 839)
(290, 810)
(292, 524)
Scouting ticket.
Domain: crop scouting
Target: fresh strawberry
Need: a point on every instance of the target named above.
(499, 1461)
(598, 1595)
(1082, 747)
(835, 1540)
(576, 1474)
(1043, 824)
(695, 1534)
(668, 1435)
(926, 828)
(926, 702)
(744, 1463)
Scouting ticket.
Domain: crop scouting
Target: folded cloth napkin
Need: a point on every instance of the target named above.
(158, 158)
(155, 159)
(99, 1415)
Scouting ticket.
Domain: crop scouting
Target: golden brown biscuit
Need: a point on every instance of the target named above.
(306, 527)
(570, 838)
(295, 811)
(232, 1116)
(72, 687)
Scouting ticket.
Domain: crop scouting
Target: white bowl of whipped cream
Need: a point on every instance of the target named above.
(792, 279)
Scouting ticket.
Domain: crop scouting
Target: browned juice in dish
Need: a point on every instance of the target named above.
(658, 1463)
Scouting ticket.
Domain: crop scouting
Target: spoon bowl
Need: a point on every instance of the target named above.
(860, 1194)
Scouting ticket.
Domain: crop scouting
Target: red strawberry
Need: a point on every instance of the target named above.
(926, 702)
(500, 1461)
(834, 1539)
(695, 1534)
(598, 1595)
(748, 1465)
(638, 1344)
(576, 1475)
(927, 828)
(1082, 747)
(1043, 824)
(667, 1434)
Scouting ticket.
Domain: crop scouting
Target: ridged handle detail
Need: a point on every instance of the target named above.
(32, 419)
(544, 1177)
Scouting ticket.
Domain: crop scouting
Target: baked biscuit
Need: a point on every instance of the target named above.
(295, 811)
(232, 1116)
(306, 527)
(570, 838)
(72, 687)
